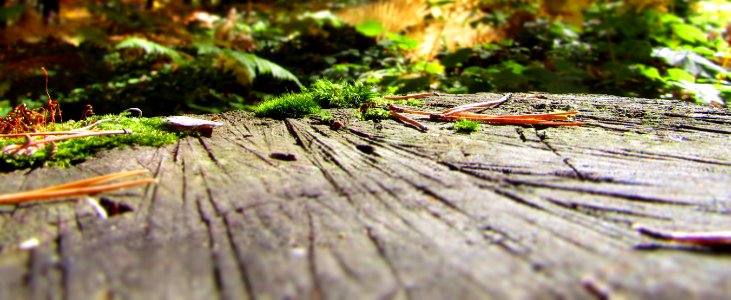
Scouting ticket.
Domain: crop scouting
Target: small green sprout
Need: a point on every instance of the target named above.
(466, 126)
(288, 106)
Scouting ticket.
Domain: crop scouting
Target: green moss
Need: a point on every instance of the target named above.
(414, 102)
(326, 116)
(144, 132)
(342, 94)
(288, 106)
(376, 114)
(466, 126)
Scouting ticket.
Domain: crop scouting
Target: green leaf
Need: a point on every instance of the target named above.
(437, 3)
(370, 28)
(704, 93)
(456, 58)
(257, 65)
(676, 74)
(403, 42)
(430, 67)
(151, 48)
(689, 61)
(648, 71)
(8, 13)
(689, 33)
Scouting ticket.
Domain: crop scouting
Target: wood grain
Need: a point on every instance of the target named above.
(382, 210)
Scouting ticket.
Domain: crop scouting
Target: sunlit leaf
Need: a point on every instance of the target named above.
(430, 67)
(689, 61)
(370, 28)
(403, 42)
(705, 93)
(648, 71)
(257, 65)
(676, 74)
(689, 33)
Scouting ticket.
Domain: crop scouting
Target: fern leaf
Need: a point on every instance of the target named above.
(151, 48)
(257, 65)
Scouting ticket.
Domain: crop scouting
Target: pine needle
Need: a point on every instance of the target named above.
(77, 188)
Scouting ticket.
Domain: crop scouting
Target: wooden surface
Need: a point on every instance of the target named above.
(387, 211)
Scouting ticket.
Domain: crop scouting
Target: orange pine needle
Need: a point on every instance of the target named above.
(463, 112)
(94, 180)
(555, 119)
(397, 109)
(408, 120)
(77, 188)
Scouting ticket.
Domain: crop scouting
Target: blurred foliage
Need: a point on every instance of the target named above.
(212, 56)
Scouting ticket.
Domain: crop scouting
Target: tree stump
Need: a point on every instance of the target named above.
(281, 209)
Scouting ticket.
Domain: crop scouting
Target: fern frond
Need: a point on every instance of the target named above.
(257, 65)
(151, 48)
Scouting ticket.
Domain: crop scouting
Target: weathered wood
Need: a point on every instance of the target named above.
(386, 211)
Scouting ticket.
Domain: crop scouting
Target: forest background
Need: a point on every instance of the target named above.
(187, 56)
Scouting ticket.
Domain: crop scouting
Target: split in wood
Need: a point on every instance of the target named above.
(465, 112)
(78, 188)
(706, 238)
(283, 156)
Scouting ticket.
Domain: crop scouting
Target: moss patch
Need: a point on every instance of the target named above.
(466, 126)
(145, 132)
(288, 106)
(341, 95)
(376, 114)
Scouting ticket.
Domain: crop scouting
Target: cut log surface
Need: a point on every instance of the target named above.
(282, 209)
